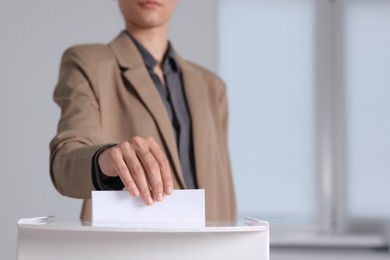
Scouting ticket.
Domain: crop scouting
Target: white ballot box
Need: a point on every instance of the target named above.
(49, 238)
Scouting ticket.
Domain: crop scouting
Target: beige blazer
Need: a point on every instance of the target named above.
(107, 96)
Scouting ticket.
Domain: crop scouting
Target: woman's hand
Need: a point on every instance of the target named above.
(141, 165)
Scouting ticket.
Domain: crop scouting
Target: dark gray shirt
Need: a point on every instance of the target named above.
(176, 105)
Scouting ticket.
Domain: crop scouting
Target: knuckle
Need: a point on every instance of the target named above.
(130, 184)
(116, 153)
(168, 183)
(148, 157)
(126, 150)
(164, 164)
(143, 152)
(123, 146)
(158, 187)
(138, 171)
(151, 164)
(141, 146)
(137, 140)
(122, 170)
(150, 139)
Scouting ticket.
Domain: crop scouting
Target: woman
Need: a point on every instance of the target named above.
(136, 115)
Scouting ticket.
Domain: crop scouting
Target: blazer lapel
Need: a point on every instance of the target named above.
(196, 92)
(136, 73)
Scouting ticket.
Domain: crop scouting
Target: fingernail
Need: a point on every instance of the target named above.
(149, 201)
(160, 197)
(169, 190)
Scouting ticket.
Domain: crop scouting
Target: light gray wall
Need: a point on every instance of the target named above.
(33, 35)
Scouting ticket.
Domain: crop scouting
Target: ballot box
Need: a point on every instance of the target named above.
(51, 238)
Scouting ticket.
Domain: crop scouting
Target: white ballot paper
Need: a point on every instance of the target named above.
(182, 209)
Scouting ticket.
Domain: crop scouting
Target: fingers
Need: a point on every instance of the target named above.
(135, 173)
(126, 178)
(163, 163)
(150, 166)
(112, 164)
(142, 167)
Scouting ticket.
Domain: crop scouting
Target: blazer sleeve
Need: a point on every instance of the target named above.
(79, 128)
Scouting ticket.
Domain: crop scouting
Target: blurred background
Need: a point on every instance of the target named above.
(309, 92)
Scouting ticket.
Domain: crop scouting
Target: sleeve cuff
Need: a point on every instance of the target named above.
(111, 183)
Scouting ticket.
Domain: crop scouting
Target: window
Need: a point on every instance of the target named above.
(309, 91)
(367, 91)
(266, 57)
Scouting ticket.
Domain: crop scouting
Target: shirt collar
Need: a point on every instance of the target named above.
(169, 61)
